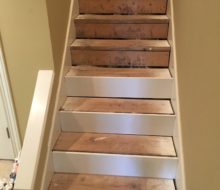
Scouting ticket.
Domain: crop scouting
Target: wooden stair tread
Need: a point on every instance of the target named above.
(135, 45)
(136, 19)
(122, 27)
(64, 181)
(92, 71)
(123, 6)
(115, 144)
(120, 58)
(116, 105)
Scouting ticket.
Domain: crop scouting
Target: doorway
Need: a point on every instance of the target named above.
(6, 149)
(10, 144)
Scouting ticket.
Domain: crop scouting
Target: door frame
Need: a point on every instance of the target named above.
(8, 105)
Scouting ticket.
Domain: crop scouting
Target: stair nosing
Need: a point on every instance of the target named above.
(118, 77)
(102, 112)
(120, 45)
(116, 154)
(97, 72)
(121, 19)
(121, 113)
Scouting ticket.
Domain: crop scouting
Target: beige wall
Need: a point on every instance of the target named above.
(197, 24)
(33, 36)
(58, 12)
(27, 47)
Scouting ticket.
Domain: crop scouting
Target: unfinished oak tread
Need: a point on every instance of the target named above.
(122, 19)
(64, 181)
(92, 71)
(134, 45)
(117, 105)
(115, 144)
(123, 6)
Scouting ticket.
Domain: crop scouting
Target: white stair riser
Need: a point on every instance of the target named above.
(119, 87)
(111, 164)
(121, 123)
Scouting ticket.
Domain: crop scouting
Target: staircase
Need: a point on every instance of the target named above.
(117, 120)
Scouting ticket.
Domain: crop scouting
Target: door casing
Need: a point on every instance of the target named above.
(8, 105)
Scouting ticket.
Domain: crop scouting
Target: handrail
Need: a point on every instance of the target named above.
(30, 153)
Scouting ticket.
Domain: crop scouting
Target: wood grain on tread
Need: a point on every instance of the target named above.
(115, 105)
(134, 45)
(122, 19)
(92, 71)
(62, 181)
(115, 144)
(123, 6)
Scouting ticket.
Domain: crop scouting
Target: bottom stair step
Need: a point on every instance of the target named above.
(63, 181)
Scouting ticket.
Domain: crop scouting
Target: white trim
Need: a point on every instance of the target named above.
(118, 87)
(33, 140)
(60, 95)
(177, 134)
(115, 164)
(8, 105)
(121, 123)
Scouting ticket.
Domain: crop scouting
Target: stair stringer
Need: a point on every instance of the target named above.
(177, 132)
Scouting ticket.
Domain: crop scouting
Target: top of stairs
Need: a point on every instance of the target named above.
(123, 6)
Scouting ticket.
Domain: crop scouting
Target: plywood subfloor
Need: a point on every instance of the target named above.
(115, 105)
(62, 181)
(115, 144)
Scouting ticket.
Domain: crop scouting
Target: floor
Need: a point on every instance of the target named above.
(5, 168)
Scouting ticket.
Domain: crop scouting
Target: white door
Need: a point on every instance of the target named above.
(6, 149)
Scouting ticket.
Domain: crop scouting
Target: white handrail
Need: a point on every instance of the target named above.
(33, 140)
